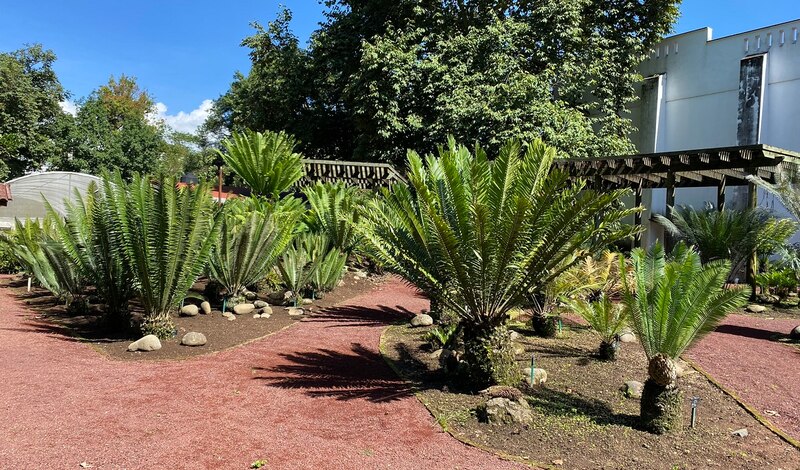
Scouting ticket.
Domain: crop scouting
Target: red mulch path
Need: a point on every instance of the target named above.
(316, 395)
(765, 374)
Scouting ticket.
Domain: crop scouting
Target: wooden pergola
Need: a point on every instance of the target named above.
(713, 167)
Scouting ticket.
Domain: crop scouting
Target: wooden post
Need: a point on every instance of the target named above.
(637, 217)
(219, 194)
(670, 187)
(752, 261)
(721, 187)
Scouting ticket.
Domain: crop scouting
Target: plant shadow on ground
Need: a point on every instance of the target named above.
(360, 373)
(553, 402)
(747, 332)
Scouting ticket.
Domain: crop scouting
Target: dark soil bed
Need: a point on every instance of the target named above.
(582, 418)
(51, 317)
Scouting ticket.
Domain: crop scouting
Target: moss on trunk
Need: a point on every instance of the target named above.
(489, 357)
(661, 407)
(159, 324)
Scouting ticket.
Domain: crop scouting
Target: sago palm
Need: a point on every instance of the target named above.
(167, 234)
(250, 243)
(606, 318)
(480, 235)
(265, 161)
(728, 234)
(89, 239)
(335, 211)
(672, 303)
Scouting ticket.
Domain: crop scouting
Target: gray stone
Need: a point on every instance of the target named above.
(740, 433)
(295, 311)
(633, 389)
(307, 302)
(229, 316)
(205, 307)
(260, 304)
(514, 336)
(189, 310)
(265, 315)
(250, 295)
(756, 308)
(539, 376)
(505, 411)
(422, 320)
(502, 391)
(795, 333)
(683, 368)
(193, 338)
(243, 309)
(256, 315)
(627, 337)
(266, 311)
(146, 343)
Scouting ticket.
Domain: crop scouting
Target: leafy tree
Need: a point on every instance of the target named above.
(673, 303)
(266, 162)
(113, 131)
(734, 235)
(381, 76)
(30, 114)
(480, 235)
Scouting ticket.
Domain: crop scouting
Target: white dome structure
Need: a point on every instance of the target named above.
(28, 193)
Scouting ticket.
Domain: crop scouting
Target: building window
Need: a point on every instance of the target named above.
(794, 35)
(769, 40)
(746, 44)
(758, 42)
(781, 37)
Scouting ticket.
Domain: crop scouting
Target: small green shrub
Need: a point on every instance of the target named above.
(606, 318)
(444, 337)
(8, 262)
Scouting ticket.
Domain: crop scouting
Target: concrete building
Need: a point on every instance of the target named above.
(700, 92)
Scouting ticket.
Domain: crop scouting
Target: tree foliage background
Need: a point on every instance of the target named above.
(381, 76)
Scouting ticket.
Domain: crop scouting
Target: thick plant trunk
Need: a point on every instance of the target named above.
(489, 356)
(544, 325)
(608, 351)
(661, 405)
(159, 324)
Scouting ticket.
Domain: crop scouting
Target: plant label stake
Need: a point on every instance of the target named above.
(533, 369)
(224, 304)
(695, 402)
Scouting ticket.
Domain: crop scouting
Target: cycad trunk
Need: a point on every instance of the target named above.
(608, 350)
(159, 324)
(661, 404)
(489, 355)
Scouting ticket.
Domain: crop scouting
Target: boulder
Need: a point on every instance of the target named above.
(295, 311)
(266, 311)
(260, 304)
(193, 338)
(189, 310)
(795, 334)
(146, 343)
(627, 337)
(539, 376)
(243, 309)
(205, 307)
(422, 320)
(633, 389)
(502, 391)
(505, 411)
(755, 308)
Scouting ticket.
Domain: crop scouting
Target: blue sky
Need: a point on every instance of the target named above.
(185, 52)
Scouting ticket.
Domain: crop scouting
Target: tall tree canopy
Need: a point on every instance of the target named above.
(382, 76)
(114, 130)
(30, 115)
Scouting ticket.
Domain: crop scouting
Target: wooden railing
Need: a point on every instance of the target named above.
(360, 174)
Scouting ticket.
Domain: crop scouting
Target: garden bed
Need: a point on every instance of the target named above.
(582, 419)
(51, 317)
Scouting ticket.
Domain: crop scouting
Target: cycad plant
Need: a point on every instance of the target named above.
(672, 303)
(250, 243)
(336, 212)
(167, 234)
(728, 234)
(89, 239)
(481, 235)
(606, 319)
(329, 263)
(296, 268)
(265, 161)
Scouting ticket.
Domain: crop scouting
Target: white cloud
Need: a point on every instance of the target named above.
(68, 107)
(184, 122)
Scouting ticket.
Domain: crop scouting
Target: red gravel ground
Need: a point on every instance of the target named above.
(316, 395)
(764, 374)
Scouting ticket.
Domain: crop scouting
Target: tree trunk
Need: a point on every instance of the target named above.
(542, 323)
(159, 324)
(489, 356)
(661, 405)
(608, 351)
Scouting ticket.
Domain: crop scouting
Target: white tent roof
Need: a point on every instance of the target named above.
(29, 192)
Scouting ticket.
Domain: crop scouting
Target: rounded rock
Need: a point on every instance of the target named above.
(243, 309)
(146, 343)
(189, 310)
(295, 311)
(260, 304)
(755, 308)
(633, 389)
(422, 320)
(539, 376)
(205, 307)
(795, 333)
(193, 338)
